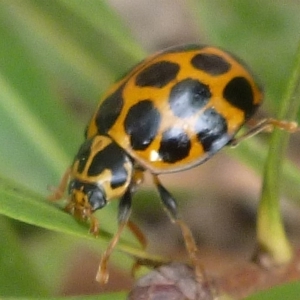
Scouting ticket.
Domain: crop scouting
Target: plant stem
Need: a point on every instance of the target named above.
(271, 234)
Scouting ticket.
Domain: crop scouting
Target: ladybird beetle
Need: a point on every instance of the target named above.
(171, 112)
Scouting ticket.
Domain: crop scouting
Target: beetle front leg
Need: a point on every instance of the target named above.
(94, 226)
(59, 191)
(123, 218)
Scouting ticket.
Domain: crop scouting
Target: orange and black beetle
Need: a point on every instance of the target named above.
(172, 112)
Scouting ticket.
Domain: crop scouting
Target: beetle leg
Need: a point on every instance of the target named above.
(170, 206)
(137, 232)
(123, 218)
(138, 176)
(94, 227)
(60, 190)
(266, 125)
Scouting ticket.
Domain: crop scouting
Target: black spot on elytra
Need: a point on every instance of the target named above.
(238, 92)
(110, 158)
(141, 124)
(211, 127)
(157, 75)
(109, 111)
(175, 145)
(210, 63)
(188, 96)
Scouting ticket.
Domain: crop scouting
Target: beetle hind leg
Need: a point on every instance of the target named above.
(170, 206)
(266, 125)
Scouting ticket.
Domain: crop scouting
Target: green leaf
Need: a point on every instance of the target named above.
(17, 276)
(36, 138)
(289, 291)
(107, 296)
(26, 206)
(23, 205)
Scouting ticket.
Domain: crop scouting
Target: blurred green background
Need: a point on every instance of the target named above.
(56, 59)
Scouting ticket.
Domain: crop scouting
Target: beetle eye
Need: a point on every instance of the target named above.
(96, 199)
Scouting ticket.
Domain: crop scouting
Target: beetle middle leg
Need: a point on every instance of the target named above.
(170, 206)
